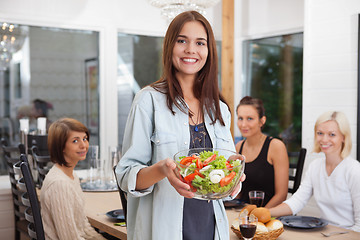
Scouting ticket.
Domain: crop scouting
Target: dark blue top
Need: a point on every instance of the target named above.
(259, 174)
(198, 215)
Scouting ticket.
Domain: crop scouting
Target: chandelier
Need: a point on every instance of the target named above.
(171, 8)
(12, 38)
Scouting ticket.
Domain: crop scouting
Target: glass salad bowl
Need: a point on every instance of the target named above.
(211, 173)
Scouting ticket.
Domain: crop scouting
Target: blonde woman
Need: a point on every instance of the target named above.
(333, 179)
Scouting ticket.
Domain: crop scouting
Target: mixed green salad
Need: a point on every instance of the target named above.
(208, 172)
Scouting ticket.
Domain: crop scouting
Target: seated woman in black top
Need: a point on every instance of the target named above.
(267, 163)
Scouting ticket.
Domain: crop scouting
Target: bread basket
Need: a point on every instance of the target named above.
(261, 235)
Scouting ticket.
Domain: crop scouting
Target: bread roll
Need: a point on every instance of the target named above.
(236, 224)
(260, 227)
(249, 208)
(274, 224)
(262, 214)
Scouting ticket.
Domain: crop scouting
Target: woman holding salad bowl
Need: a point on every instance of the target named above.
(183, 110)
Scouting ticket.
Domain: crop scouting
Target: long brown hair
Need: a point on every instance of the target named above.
(206, 88)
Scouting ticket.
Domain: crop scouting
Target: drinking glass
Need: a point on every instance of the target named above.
(248, 226)
(93, 172)
(256, 197)
(93, 166)
(114, 158)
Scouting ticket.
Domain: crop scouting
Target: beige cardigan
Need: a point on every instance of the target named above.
(62, 208)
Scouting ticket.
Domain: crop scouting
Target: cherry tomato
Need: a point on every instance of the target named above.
(199, 164)
(229, 166)
(209, 159)
(191, 177)
(187, 160)
(227, 179)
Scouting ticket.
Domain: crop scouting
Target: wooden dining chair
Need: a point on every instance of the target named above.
(123, 195)
(11, 156)
(30, 199)
(42, 163)
(296, 169)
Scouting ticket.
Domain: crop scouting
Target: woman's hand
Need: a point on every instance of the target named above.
(242, 178)
(238, 187)
(149, 176)
(182, 188)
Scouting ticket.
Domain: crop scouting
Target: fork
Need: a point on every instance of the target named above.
(332, 233)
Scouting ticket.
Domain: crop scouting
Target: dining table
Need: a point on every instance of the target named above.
(99, 203)
(291, 233)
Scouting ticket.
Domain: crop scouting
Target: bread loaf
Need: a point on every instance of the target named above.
(249, 208)
(260, 227)
(274, 224)
(262, 214)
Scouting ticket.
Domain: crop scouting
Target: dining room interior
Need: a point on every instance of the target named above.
(87, 60)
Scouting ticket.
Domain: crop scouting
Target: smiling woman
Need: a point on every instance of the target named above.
(161, 122)
(62, 200)
(333, 178)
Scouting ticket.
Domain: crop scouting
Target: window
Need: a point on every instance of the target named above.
(52, 65)
(139, 64)
(273, 72)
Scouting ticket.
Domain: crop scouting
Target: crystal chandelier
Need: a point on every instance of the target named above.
(12, 38)
(171, 8)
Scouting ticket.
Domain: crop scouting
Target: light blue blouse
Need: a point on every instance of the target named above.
(152, 134)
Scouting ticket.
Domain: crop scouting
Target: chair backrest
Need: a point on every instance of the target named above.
(11, 156)
(123, 195)
(296, 169)
(43, 164)
(40, 141)
(34, 209)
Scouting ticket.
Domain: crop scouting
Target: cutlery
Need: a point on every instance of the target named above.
(332, 233)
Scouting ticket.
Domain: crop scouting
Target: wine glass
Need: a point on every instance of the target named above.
(256, 197)
(248, 226)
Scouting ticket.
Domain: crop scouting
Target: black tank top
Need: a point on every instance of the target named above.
(259, 174)
(198, 215)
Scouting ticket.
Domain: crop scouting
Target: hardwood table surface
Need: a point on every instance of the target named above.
(99, 203)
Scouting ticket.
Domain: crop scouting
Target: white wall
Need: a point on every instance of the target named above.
(330, 63)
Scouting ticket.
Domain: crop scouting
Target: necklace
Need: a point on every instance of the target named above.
(197, 138)
(196, 124)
